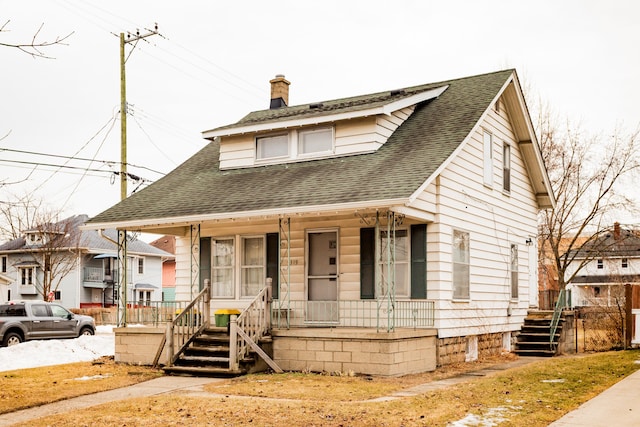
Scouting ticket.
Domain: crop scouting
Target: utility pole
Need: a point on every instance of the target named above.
(131, 38)
(122, 234)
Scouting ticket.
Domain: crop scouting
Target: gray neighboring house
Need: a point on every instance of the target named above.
(89, 271)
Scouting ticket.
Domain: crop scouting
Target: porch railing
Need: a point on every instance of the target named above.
(192, 320)
(357, 314)
(561, 303)
(246, 330)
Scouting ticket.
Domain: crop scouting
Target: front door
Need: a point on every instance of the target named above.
(322, 277)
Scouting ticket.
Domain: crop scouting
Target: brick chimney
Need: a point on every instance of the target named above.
(616, 230)
(279, 92)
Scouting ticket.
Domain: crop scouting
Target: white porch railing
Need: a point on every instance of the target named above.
(356, 314)
(246, 330)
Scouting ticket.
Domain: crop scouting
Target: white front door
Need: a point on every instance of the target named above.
(322, 276)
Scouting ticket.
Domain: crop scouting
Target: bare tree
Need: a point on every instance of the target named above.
(36, 46)
(18, 213)
(587, 173)
(55, 248)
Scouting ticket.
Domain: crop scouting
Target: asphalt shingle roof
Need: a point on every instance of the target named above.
(412, 154)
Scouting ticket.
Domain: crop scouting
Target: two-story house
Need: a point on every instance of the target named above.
(606, 265)
(78, 268)
(398, 229)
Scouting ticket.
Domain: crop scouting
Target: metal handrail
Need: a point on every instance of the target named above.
(555, 320)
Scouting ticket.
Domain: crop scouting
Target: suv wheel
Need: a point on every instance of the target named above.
(86, 331)
(12, 338)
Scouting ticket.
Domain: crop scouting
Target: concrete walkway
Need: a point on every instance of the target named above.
(153, 387)
(619, 405)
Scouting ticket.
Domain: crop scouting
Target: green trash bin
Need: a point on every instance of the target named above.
(223, 316)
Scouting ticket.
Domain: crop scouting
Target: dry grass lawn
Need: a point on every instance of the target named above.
(26, 388)
(532, 395)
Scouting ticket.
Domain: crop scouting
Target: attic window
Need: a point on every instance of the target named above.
(272, 146)
(315, 141)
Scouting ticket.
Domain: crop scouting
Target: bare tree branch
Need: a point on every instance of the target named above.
(35, 48)
(587, 174)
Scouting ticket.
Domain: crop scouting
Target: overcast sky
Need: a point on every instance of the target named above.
(212, 61)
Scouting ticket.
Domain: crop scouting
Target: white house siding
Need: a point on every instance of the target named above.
(585, 295)
(493, 220)
(358, 135)
(347, 226)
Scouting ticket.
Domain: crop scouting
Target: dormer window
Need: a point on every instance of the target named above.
(309, 142)
(272, 147)
(315, 141)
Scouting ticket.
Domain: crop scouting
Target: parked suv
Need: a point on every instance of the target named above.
(31, 320)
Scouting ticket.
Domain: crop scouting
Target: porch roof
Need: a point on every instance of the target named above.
(414, 153)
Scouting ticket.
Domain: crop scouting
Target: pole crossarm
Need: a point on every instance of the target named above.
(123, 104)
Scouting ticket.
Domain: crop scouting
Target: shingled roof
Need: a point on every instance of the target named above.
(394, 172)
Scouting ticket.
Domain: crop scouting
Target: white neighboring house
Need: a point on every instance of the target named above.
(405, 212)
(612, 261)
(83, 265)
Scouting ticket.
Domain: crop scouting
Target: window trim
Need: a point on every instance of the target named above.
(287, 135)
(215, 267)
(467, 296)
(237, 266)
(600, 264)
(294, 141)
(141, 265)
(514, 278)
(506, 167)
(242, 266)
(21, 275)
(407, 263)
(302, 132)
(625, 263)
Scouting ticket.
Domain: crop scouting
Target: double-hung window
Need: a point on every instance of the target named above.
(506, 167)
(27, 275)
(272, 147)
(315, 141)
(514, 271)
(3, 264)
(242, 270)
(394, 250)
(461, 260)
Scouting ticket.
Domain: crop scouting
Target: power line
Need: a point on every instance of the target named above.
(106, 162)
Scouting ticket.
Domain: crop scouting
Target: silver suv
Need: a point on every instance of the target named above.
(32, 320)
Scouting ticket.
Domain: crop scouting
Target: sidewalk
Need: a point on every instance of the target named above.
(617, 406)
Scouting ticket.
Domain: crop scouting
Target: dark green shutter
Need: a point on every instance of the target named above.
(273, 256)
(205, 260)
(367, 263)
(419, 261)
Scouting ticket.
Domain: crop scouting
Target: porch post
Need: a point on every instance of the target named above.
(207, 303)
(233, 342)
(195, 261)
(122, 278)
(267, 305)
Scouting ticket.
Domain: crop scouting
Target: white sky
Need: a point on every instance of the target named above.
(212, 64)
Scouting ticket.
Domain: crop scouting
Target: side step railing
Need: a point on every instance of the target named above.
(246, 330)
(561, 303)
(187, 325)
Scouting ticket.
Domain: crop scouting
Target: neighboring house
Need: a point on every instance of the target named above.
(407, 215)
(83, 266)
(612, 261)
(167, 244)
